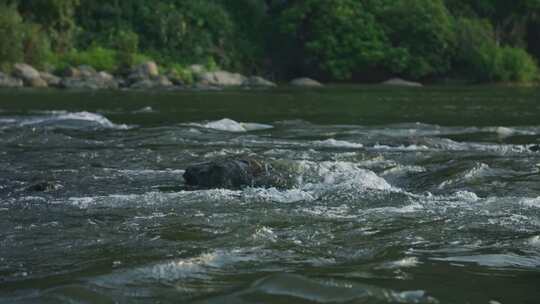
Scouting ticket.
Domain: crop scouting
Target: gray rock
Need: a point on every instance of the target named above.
(25, 72)
(154, 83)
(72, 72)
(256, 81)
(402, 82)
(197, 69)
(101, 80)
(50, 79)
(37, 83)
(236, 174)
(305, 82)
(86, 71)
(7, 81)
(222, 78)
(144, 71)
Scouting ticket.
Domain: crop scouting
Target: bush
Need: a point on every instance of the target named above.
(479, 56)
(517, 65)
(177, 71)
(127, 47)
(100, 58)
(12, 35)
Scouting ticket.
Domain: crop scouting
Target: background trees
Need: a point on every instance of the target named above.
(336, 40)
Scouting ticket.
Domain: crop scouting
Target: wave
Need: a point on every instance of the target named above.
(230, 125)
(63, 119)
(332, 143)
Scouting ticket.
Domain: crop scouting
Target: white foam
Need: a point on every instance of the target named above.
(56, 118)
(333, 143)
(230, 125)
(402, 147)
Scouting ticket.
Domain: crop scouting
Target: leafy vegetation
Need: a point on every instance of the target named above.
(336, 40)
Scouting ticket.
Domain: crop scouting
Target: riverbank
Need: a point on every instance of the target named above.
(148, 76)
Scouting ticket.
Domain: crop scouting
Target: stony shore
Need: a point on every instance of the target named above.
(145, 76)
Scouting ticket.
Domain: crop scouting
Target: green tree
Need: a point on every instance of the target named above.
(12, 33)
(336, 37)
(127, 47)
(56, 16)
(424, 30)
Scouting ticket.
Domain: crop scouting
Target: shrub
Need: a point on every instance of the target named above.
(127, 46)
(181, 73)
(517, 65)
(100, 58)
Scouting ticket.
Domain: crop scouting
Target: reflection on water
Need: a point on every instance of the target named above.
(93, 207)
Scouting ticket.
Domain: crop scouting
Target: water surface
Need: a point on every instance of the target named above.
(401, 196)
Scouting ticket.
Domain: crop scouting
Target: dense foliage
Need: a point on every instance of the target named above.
(339, 40)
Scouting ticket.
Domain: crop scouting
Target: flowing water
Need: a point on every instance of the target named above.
(400, 196)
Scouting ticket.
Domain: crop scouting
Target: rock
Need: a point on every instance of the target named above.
(72, 72)
(222, 78)
(37, 83)
(44, 186)
(143, 71)
(197, 69)
(534, 148)
(50, 79)
(86, 71)
(402, 82)
(7, 81)
(25, 72)
(101, 80)
(154, 83)
(305, 82)
(236, 174)
(256, 81)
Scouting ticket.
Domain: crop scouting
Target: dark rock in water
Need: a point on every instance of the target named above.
(236, 174)
(44, 186)
(534, 148)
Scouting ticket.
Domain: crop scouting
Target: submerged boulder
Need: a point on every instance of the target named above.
(44, 186)
(305, 82)
(237, 173)
(402, 82)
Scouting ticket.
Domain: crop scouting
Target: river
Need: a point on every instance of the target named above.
(425, 195)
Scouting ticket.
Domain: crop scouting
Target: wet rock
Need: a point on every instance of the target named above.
(72, 72)
(305, 82)
(37, 83)
(7, 81)
(256, 81)
(534, 148)
(237, 173)
(44, 186)
(222, 78)
(402, 82)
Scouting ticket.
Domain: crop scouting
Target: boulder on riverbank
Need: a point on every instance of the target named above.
(402, 82)
(85, 77)
(221, 78)
(256, 81)
(305, 82)
(29, 75)
(236, 173)
(7, 81)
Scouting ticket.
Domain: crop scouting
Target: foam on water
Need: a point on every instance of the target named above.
(230, 125)
(332, 143)
(63, 119)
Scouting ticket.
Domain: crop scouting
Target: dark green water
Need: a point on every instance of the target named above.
(401, 196)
